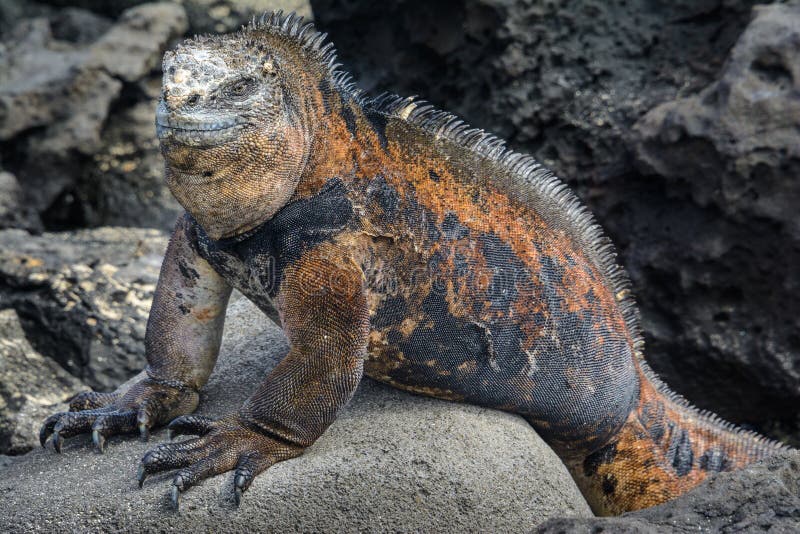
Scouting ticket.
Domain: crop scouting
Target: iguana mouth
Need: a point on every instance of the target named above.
(197, 132)
(167, 122)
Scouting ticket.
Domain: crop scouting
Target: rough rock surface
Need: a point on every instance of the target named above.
(705, 225)
(205, 16)
(31, 387)
(14, 213)
(734, 150)
(84, 297)
(60, 78)
(391, 462)
(764, 497)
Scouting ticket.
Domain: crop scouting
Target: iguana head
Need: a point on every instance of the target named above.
(234, 122)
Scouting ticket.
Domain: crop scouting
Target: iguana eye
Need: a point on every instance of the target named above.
(241, 87)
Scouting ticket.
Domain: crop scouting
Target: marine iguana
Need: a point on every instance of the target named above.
(394, 241)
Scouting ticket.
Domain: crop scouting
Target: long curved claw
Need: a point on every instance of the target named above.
(141, 475)
(197, 472)
(99, 440)
(148, 413)
(144, 432)
(250, 464)
(176, 498)
(47, 428)
(238, 489)
(57, 440)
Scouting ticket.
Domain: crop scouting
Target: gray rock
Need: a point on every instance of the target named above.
(133, 46)
(14, 212)
(84, 297)
(735, 148)
(215, 16)
(764, 497)
(57, 86)
(125, 185)
(44, 84)
(205, 16)
(31, 387)
(391, 462)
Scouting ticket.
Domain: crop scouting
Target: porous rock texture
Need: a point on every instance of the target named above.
(763, 497)
(31, 387)
(83, 298)
(14, 211)
(60, 78)
(392, 461)
(676, 122)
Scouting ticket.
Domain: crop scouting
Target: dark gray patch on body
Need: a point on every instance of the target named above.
(188, 272)
(461, 264)
(713, 459)
(420, 220)
(506, 268)
(680, 453)
(392, 311)
(652, 419)
(452, 227)
(349, 119)
(378, 123)
(385, 196)
(327, 93)
(267, 250)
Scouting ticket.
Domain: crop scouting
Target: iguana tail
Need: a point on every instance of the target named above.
(665, 448)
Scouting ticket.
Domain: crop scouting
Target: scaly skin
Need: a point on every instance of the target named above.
(397, 243)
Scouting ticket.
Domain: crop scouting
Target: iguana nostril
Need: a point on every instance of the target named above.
(193, 100)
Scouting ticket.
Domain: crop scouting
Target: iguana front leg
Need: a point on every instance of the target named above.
(325, 318)
(182, 342)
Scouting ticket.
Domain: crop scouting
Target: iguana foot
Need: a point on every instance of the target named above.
(145, 405)
(229, 444)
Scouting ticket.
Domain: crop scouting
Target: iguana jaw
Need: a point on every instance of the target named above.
(197, 132)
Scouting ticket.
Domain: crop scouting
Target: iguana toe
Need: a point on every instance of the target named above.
(110, 424)
(141, 475)
(47, 428)
(99, 441)
(250, 464)
(195, 425)
(172, 456)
